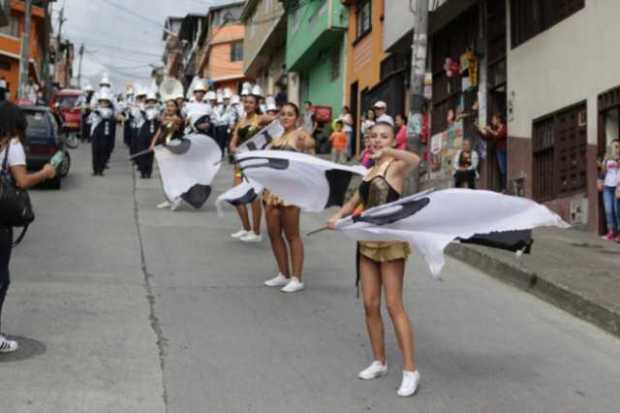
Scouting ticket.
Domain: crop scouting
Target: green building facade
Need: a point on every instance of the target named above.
(315, 49)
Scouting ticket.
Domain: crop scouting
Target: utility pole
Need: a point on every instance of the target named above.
(45, 71)
(419, 51)
(25, 52)
(61, 20)
(80, 66)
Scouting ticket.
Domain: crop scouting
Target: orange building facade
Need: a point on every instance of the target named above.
(10, 45)
(223, 63)
(364, 55)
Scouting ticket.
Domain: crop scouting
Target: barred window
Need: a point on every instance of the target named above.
(559, 145)
(531, 17)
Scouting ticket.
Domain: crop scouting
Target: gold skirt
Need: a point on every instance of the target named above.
(270, 199)
(384, 251)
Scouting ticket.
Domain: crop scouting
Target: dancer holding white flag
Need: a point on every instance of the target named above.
(283, 219)
(247, 127)
(382, 263)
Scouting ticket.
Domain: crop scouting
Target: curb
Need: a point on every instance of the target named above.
(534, 283)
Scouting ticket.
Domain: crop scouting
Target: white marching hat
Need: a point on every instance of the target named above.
(200, 86)
(211, 95)
(257, 91)
(246, 89)
(235, 100)
(152, 96)
(270, 103)
(140, 91)
(88, 88)
(105, 80)
(105, 94)
(227, 93)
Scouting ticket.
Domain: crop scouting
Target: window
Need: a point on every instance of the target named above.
(236, 51)
(559, 146)
(364, 15)
(531, 17)
(12, 28)
(335, 63)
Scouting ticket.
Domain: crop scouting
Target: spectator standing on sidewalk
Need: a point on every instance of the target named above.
(401, 132)
(368, 121)
(13, 160)
(381, 113)
(610, 176)
(338, 139)
(498, 132)
(465, 164)
(309, 119)
(347, 128)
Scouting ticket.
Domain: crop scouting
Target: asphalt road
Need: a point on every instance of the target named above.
(121, 307)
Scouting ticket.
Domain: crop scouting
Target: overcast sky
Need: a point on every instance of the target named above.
(121, 37)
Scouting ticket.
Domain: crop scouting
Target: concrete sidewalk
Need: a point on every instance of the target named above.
(571, 269)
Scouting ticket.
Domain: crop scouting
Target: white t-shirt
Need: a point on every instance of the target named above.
(612, 177)
(17, 155)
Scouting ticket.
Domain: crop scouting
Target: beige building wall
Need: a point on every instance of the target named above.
(575, 60)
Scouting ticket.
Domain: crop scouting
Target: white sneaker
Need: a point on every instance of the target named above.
(7, 346)
(239, 233)
(374, 371)
(176, 204)
(279, 280)
(293, 286)
(409, 385)
(251, 237)
(165, 204)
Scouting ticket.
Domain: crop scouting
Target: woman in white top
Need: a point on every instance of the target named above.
(611, 179)
(12, 129)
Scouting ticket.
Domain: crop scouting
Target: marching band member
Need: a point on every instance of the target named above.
(198, 112)
(283, 219)
(85, 101)
(382, 264)
(147, 127)
(103, 130)
(247, 127)
(222, 119)
(136, 118)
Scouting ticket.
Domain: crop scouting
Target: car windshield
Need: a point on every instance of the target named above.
(67, 102)
(37, 124)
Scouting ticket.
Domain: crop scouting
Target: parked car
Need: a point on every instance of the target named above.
(43, 141)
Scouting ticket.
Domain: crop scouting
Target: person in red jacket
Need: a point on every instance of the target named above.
(498, 132)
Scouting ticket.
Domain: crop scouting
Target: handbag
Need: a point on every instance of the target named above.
(15, 206)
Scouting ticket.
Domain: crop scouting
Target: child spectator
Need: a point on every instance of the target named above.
(365, 156)
(465, 164)
(338, 140)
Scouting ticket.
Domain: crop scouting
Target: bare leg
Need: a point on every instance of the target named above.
(371, 294)
(243, 214)
(290, 223)
(256, 216)
(273, 215)
(392, 273)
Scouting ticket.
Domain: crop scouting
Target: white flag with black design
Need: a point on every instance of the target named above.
(187, 167)
(263, 138)
(429, 221)
(244, 193)
(311, 183)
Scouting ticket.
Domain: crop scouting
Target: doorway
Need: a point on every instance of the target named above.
(355, 113)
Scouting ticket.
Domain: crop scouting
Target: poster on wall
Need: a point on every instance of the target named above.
(443, 148)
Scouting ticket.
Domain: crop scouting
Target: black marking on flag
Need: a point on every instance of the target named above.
(197, 195)
(246, 198)
(178, 146)
(338, 181)
(273, 163)
(505, 240)
(405, 210)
